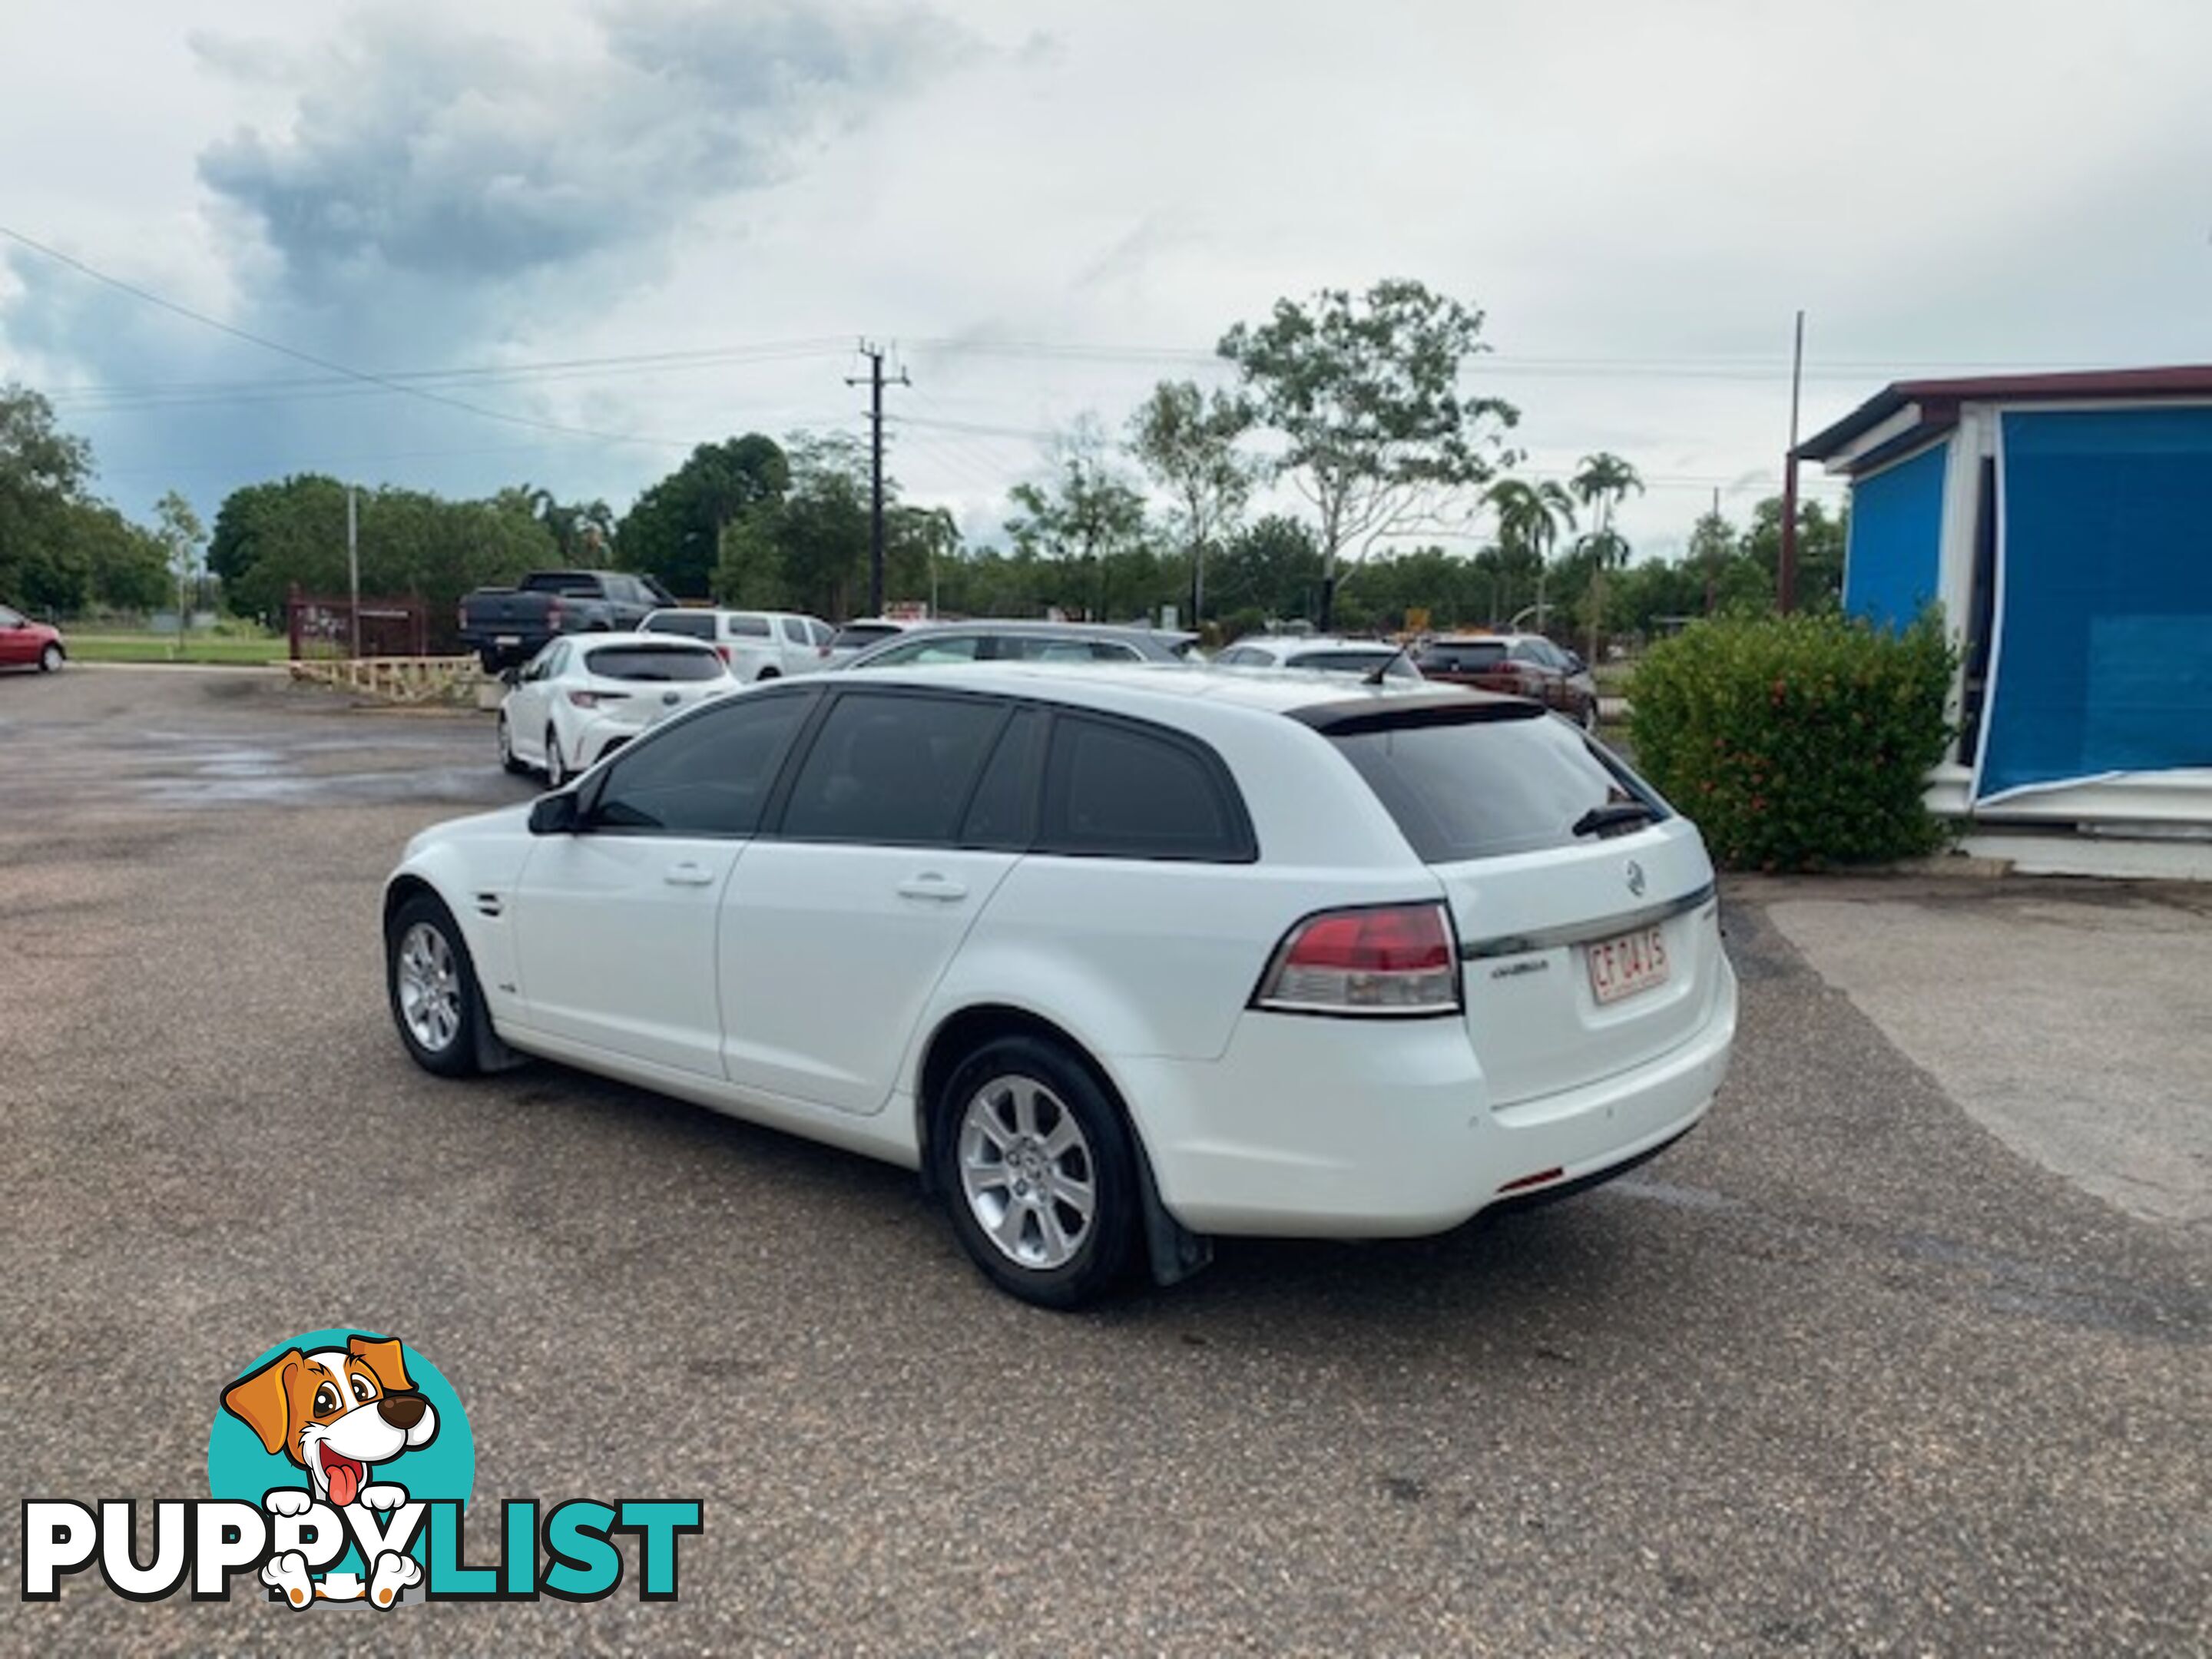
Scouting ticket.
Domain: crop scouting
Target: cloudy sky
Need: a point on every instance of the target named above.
(613, 229)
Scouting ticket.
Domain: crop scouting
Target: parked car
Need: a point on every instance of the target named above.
(1327, 654)
(506, 626)
(27, 644)
(757, 645)
(1119, 958)
(1022, 642)
(857, 636)
(1519, 665)
(580, 699)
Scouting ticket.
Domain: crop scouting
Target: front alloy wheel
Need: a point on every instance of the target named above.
(508, 760)
(49, 658)
(1037, 1169)
(433, 987)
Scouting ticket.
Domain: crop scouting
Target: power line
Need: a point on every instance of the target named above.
(151, 298)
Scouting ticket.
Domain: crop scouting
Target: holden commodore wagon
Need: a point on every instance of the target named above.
(1120, 959)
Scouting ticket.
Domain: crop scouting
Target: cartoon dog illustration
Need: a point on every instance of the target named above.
(336, 1412)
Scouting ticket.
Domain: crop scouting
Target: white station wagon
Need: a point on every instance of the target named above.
(1119, 958)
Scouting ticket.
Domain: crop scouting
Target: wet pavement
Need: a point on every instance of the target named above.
(1842, 1373)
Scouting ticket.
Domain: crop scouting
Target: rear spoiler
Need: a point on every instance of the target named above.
(1349, 719)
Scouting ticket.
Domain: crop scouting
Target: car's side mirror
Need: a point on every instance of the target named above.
(510, 677)
(556, 814)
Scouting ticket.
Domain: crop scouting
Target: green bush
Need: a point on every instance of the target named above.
(1797, 742)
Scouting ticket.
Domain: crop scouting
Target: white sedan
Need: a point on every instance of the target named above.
(1118, 958)
(586, 695)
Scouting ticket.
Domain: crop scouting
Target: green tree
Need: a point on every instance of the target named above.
(1186, 442)
(1365, 393)
(181, 536)
(1270, 571)
(1529, 518)
(43, 473)
(1088, 524)
(1821, 539)
(1601, 484)
(674, 530)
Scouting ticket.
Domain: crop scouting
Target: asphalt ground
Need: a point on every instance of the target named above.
(1839, 1373)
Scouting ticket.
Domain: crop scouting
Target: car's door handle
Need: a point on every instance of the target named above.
(931, 886)
(688, 874)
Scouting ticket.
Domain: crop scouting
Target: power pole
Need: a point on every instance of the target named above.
(1709, 552)
(1785, 575)
(353, 575)
(876, 383)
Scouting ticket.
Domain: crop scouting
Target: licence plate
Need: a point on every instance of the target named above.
(1631, 962)
(507, 639)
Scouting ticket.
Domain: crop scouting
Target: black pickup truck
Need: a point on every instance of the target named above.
(509, 625)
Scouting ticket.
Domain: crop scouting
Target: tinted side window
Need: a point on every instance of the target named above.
(959, 647)
(896, 768)
(698, 624)
(822, 631)
(1003, 814)
(794, 631)
(750, 628)
(707, 775)
(1118, 791)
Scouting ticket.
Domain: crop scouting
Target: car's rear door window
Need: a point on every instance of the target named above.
(1118, 789)
(706, 775)
(1487, 782)
(743, 626)
(893, 767)
(1002, 815)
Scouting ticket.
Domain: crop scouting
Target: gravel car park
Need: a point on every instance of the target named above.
(1842, 1371)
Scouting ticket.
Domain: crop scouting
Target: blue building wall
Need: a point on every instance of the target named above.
(2103, 660)
(1893, 559)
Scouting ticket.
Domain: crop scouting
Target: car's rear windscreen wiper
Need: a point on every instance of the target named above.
(1615, 815)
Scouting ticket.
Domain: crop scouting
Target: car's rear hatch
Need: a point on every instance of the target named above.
(643, 682)
(1585, 910)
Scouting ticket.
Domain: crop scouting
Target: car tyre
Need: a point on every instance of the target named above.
(769, 674)
(1036, 1168)
(556, 769)
(432, 987)
(51, 658)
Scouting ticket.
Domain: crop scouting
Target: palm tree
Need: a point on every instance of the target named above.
(1528, 520)
(1601, 483)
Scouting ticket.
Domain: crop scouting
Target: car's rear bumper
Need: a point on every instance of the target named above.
(1310, 1128)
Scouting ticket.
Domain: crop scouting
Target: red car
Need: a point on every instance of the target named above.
(27, 644)
(1521, 665)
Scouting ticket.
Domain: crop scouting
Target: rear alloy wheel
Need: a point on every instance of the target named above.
(433, 987)
(49, 658)
(556, 770)
(1037, 1170)
(508, 760)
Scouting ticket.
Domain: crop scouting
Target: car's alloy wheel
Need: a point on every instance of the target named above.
(1036, 1168)
(556, 770)
(433, 987)
(507, 755)
(49, 658)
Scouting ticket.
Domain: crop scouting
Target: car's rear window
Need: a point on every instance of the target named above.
(697, 624)
(1463, 659)
(653, 662)
(856, 634)
(1488, 785)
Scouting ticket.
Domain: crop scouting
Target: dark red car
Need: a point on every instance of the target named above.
(1521, 664)
(27, 644)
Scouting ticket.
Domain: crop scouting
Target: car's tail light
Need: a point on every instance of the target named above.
(723, 651)
(1379, 959)
(594, 699)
